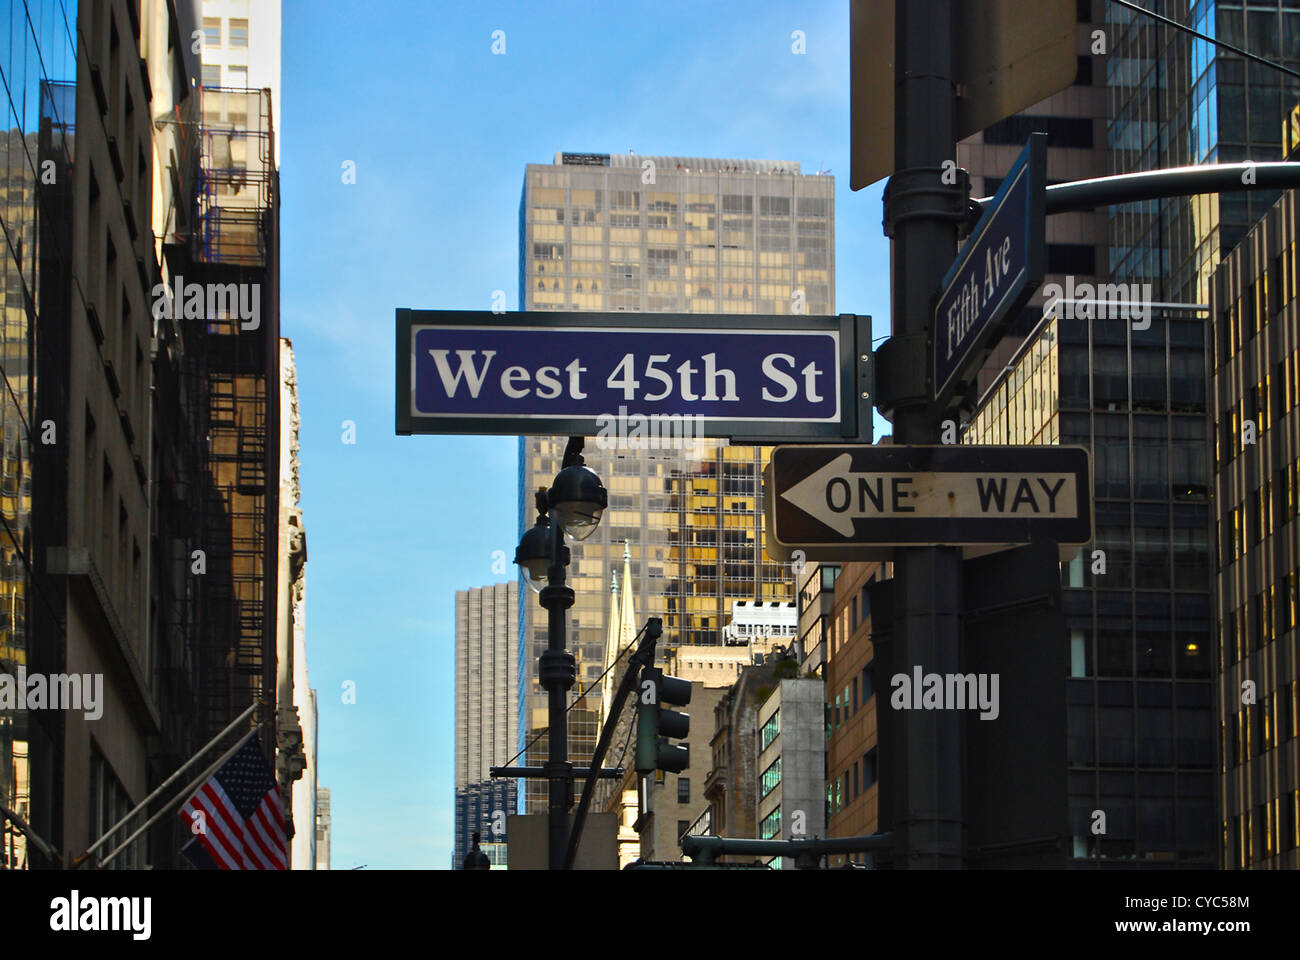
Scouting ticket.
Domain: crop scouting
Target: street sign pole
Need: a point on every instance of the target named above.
(922, 214)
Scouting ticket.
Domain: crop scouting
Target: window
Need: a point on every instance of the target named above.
(1070, 258)
(683, 789)
(212, 74)
(238, 76)
(771, 729)
(108, 803)
(682, 827)
(212, 31)
(867, 691)
(771, 825)
(238, 33)
(868, 768)
(771, 778)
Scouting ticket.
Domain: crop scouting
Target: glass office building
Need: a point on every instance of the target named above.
(1178, 100)
(1140, 740)
(610, 232)
(39, 66)
(1255, 392)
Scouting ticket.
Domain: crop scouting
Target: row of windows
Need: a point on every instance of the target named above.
(1269, 508)
(771, 778)
(1259, 727)
(1268, 830)
(238, 34)
(856, 780)
(855, 695)
(236, 75)
(1262, 619)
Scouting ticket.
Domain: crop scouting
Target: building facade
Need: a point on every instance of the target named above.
(609, 232)
(324, 826)
(1136, 600)
(241, 50)
(1177, 100)
(815, 584)
(731, 786)
(40, 129)
(851, 751)
(143, 499)
(486, 715)
(1255, 391)
(791, 754)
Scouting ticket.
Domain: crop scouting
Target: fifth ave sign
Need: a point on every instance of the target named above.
(994, 275)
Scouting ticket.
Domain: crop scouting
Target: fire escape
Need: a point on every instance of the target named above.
(232, 237)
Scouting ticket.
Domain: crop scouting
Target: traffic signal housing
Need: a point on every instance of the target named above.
(654, 724)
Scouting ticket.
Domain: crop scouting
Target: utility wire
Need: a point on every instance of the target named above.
(1200, 36)
(545, 730)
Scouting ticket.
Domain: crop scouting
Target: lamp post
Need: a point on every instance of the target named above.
(573, 505)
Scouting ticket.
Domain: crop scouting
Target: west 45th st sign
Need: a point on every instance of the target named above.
(747, 378)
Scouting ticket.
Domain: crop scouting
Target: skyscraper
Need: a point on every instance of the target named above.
(1139, 715)
(1256, 389)
(486, 713)
(626, 232)
(1177, 100)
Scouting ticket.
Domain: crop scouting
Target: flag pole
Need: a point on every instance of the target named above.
(166, 783)
(187, 792)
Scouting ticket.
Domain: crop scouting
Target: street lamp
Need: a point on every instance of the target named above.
(580, 498)
(573, 505)
(534, 552)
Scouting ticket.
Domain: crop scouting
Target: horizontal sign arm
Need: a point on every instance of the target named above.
(1174, 182)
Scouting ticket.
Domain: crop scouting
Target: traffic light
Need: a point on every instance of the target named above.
(654, 724)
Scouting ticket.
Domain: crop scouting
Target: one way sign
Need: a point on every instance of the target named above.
(831, 502)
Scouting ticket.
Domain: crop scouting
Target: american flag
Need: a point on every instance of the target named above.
(240, 823)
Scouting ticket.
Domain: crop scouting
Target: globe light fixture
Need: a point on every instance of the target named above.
(534, 554)
(579, 498)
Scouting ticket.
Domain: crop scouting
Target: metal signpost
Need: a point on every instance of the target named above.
(997, 272)
(750, 379)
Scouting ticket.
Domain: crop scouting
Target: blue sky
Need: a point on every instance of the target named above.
(439, 130)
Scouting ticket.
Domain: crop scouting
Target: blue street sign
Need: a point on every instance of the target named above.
(995, 274)
(750, 379)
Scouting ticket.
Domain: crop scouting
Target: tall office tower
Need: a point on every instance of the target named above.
(40, 126)
(486, 714)
(1139, 699)
(1140, 743)
(1256, 388)
(611, 232)
(1177, 100)
(241, 49)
